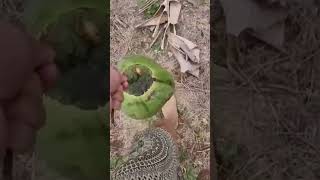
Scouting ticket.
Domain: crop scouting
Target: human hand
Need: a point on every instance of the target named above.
(118, 84)
(27, 70)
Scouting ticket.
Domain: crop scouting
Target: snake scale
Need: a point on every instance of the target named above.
(153, 157)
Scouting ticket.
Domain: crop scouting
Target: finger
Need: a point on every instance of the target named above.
(125, 86)
(28, 106)
(15, 59)
(116, 105)
(22, 136)
(25, 115)
(43, 54)
(120, 89)
(124, 78)
(115, 80)
(118, 96)
(48, 76)
(124, 82)
(3, 133)
(45, 66)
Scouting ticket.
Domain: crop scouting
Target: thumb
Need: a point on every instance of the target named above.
(25, 115)
(44, 64)
(115, 80)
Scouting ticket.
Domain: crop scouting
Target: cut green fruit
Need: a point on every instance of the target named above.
(150, 86)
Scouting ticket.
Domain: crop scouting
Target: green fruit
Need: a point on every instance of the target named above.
(150, 86)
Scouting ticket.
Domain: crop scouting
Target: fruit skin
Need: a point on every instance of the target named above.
(162, 88)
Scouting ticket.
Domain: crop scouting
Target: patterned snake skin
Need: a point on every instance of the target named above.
(153, 157)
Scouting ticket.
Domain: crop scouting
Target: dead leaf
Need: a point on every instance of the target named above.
(186, 46)
(154, 21)
(151, 28)
(169, 11)
(185, 65)
(156, 30)
(243, 14)
(170, 112)
(163, 9)
(174, 12)
(190, 44)
(157, 35)
(165, 35)
(193, 47)
(196, 52)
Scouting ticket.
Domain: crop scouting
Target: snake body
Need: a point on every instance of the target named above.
(153, 158)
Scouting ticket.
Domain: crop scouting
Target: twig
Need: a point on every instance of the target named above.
(204, 150)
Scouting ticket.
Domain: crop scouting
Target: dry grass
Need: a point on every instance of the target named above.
(274, 127)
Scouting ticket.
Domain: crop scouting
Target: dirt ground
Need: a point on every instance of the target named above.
(266, 108)
(192, 93)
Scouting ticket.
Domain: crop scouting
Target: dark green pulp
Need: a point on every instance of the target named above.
(139, 79)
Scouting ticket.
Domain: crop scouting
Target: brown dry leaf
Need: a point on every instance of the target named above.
(186, 46)
(243, 14)
(185, 65)
(190, 44)
(170, 112)
(157, 35)
(164, 35)
(174, 13)
(154, 21)
(169, 11)
(163, 9)
(193, 47)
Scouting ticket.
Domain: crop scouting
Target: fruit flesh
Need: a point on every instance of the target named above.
(139, 79)
(151, 101)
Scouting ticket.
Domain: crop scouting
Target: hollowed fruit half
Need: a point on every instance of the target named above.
(150, 86)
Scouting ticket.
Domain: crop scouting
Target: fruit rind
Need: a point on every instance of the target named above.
(162, 88)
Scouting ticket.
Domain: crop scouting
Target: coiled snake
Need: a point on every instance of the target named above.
(153, 157)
